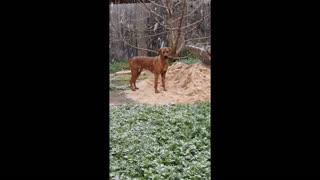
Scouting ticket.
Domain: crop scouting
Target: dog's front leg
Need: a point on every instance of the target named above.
(156, 78)
(163, 79)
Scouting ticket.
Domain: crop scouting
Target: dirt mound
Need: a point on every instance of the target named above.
(185, 84)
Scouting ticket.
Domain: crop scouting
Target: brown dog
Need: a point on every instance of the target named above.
(157, 65)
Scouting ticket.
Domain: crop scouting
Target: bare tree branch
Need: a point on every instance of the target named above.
(197, 21)
(157, 14)
(204, 43)
(128, 38)
(198, 38)
(115, 29)
(181, 46)
(139, 48)
(131, 44)
(112, 36)
(191, 12)
(125, 20)
(176, 5)
(140, 19)
(156, 4)
(169, 5)
(151, 12)
(180, 24)
(200, 21)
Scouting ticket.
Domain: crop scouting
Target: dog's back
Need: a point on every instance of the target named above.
(142, 62)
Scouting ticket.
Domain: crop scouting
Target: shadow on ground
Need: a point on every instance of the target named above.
(118, 98)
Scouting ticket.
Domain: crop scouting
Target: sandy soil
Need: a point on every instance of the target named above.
(185, 84)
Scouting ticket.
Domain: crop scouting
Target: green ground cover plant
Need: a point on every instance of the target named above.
(160, 141)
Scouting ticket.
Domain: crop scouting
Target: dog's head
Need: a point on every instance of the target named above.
(165, 52)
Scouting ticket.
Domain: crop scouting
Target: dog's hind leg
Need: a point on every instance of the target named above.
(156, 77)
(163, 79)
(134, 74)
(139, 70)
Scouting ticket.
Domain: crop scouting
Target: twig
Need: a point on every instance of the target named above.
(140, 19)
(156, 4)
(197, 25)
(176, 4)
(190, 12)
(198, 38)
(128, 38)
(131, 44)
(152, 12)
(199, 21)
(142, 49)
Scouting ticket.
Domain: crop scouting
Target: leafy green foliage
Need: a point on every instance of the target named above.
(190, 60)
(183, 53)
(160, 142)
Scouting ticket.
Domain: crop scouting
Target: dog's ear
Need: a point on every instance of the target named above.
(169, 49)
(160, 51)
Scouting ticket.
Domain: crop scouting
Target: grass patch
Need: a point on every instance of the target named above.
(121, 82)
(119, 65)
(160, 142)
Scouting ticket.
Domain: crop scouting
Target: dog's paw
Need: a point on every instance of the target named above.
(165, 89)
(157, 92)
(137, 88)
